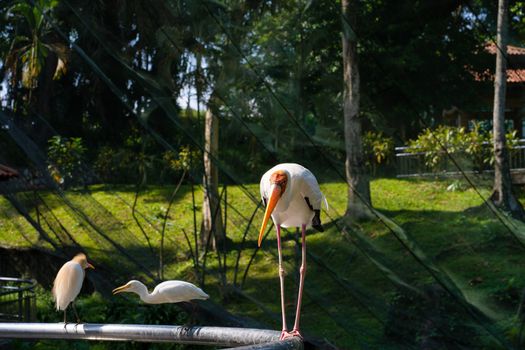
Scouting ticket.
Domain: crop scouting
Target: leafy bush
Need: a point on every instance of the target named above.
(129, 165)
(474, 144)
(184, 160)
(113, 165)
(174, 164)
(377, 149)
(477, 145)
(66, 159)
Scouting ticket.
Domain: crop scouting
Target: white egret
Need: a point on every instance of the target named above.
(292, 198)
(68, 283)
(165, 292)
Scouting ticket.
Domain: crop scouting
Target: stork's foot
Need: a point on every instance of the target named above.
(285, 334)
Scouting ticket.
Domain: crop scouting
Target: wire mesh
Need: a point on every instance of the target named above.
(433, 266)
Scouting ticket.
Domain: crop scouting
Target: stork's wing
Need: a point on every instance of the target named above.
(264, 186)
(310, 189)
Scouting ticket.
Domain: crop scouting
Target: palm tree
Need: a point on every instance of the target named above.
(33, 43)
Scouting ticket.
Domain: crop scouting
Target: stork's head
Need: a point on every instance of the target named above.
(278, 183)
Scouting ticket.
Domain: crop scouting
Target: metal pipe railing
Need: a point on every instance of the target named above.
(247, 338)
(17, 299)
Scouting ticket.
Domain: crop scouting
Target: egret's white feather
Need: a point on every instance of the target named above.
(67, 284)
(166, 292)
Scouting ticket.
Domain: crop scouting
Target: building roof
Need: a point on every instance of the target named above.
(6, 173)
(514, 75)
(511, 50)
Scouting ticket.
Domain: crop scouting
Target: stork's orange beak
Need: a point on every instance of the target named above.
(272, 202)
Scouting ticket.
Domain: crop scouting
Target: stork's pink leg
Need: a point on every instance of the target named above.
(302, 272)
(284, 332)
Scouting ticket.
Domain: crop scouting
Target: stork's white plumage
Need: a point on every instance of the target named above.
(299, 198)
(292, 198)
(68, 283)
(166, 292)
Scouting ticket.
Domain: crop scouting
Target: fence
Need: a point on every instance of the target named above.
(17, 300)
(18, 305)
(240, 338)
(409, 164)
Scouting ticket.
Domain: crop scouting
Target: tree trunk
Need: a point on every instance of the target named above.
(502, 195)
(356, 175)
(211, 210)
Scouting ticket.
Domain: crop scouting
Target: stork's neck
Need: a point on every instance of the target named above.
(142, 291)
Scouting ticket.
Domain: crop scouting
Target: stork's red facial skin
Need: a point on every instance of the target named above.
(279, 178)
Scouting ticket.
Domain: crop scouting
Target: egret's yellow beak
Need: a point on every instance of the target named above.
(89, 266)
(272, 202)
(120, 289)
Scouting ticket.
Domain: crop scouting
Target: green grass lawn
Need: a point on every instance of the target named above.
(352, 299)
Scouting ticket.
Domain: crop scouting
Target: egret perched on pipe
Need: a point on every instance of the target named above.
(68, 283)
(292, 198)
(165, 292)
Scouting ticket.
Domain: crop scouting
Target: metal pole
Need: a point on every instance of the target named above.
(294, 343)
(218, 336)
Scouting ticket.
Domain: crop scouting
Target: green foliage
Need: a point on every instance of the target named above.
(105, 165)
(184, 160)
(66, 159)
(132, 162)
(472, 146)
(432, 143)
(34, 46)
(457, 185)
(517, 22)
(477, 145)
(377, 148)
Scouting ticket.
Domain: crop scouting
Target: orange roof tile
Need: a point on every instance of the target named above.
(516, 75)
(511, 50)
(7, 173)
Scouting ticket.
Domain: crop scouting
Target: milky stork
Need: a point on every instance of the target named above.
(292, 198)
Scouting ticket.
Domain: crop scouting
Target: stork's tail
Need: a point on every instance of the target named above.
(316, 221)
(325, 202)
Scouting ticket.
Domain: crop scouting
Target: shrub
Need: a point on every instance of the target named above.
(474, 144)
(115, 165)
(66, 158)
(184, 160)
(175, 163)
(433, 142)
(377, 149)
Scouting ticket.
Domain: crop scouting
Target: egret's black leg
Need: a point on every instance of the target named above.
(76, 313)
